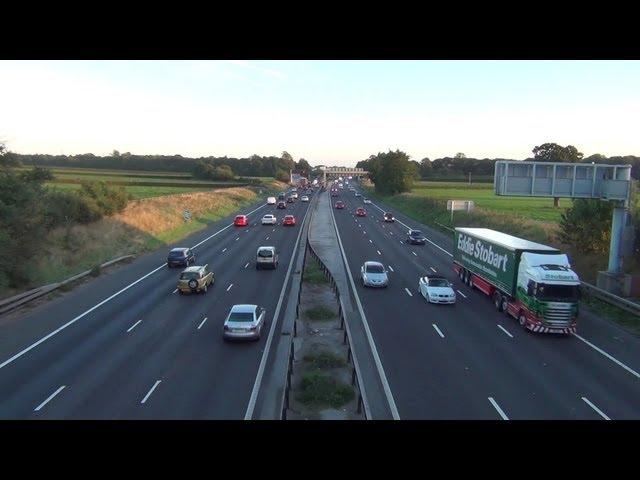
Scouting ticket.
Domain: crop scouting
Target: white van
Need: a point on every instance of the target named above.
(266, 257)
(271, 200)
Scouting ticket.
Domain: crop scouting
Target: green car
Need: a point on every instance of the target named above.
(195, 279)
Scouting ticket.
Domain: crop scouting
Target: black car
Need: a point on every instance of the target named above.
(289, 199)
(388, 217)
(181, 257)
(282, 196)
(415, 237)
(281, 205)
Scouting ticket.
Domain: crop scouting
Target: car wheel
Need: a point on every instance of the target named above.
(204, 289)
(168, 265)
(180, 292)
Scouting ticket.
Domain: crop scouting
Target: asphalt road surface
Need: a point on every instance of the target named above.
(148, 352)
(468, 361)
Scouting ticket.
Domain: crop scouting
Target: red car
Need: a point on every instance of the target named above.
(241, 221)
(339, 205)
(289, 220)
(361, 212)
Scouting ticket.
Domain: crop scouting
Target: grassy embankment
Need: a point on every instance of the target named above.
(145, 225)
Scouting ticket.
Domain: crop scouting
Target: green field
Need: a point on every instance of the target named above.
(532, 208)
(137, 191)
(141, 184)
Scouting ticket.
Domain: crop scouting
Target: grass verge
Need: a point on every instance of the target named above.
(625, 319)
(317, 389)
(313, 273)
(324, 360)
(320, 313)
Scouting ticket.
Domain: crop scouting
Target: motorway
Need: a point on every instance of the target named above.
(467, 361)
(127, 346)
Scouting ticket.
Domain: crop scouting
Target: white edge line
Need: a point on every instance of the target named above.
(374, 350)
(438, 330)
(49, 398)
(202, 323)
(71, 322)
(256, 386)
(504, 330)
(600, 412)
(133, 326)
(150, 391)
(497, 407)
(618, 362)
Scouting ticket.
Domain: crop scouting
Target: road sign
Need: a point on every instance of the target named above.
(187, 215)
(453, 205)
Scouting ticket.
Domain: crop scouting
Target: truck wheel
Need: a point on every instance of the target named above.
(497, 301)
(522, 320)
(505, 305)
(461, 275)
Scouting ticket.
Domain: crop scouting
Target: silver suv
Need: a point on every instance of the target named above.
(266, 257)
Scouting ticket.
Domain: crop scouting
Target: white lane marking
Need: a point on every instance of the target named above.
(433, 270)
(378, 252)
(618, 362)
(415, 253)
(70, 322)
(365, 323)
(364, 231)
(246, 265)
(229, 288)
(49, 398)
(267, 237)
(175, 291)
(504, 330)
(202, 323)
(600, 412)
(224, 250)
(497, 407)
(274, 229)
(151, 391)
(370, 241)
(390, 268)
(407, 226)
(237, 239)
(437, 330)
(391, 233)
(408, 292)
(463, 295)
(133, 326)
(256, 386)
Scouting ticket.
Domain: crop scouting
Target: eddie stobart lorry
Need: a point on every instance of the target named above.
(531, 282)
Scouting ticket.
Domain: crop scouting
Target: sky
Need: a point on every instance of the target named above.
(328, 112)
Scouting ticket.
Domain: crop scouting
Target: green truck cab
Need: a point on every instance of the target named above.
(529, 281)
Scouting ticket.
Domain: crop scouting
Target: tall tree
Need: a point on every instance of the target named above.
(552, 152)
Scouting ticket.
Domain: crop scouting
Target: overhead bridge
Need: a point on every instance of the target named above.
(342, 172)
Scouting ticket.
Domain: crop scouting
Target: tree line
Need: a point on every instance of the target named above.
(214, 168)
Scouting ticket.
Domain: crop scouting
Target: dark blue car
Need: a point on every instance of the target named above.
(180, 257)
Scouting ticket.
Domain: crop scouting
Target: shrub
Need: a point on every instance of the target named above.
(319, 389)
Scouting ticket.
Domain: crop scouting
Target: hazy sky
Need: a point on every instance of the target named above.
(329, 112)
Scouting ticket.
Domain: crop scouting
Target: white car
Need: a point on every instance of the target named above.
(436, 289)
(294, 194)
(358, 194)
(244, 322)
(269, 220)
(373, 274)
(271, 200)
(304, 198)
(366, 200)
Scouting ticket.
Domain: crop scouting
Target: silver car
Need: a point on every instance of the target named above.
(374, 275)
(436, 289)
(244, 322)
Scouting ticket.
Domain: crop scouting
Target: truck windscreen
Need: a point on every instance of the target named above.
(557, 293)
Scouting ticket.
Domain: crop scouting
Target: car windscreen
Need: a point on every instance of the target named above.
(265, 253)
(189, 276)
(375, 269)
(241, 317)
(416, 233)
(438, 282)
(178, 253)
